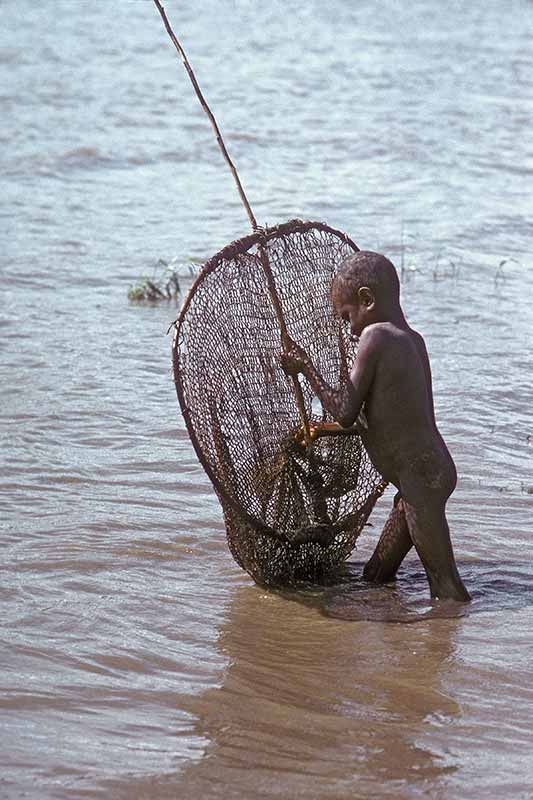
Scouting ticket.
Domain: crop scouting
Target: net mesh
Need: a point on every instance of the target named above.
(292, 511)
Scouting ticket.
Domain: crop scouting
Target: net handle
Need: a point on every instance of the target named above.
(263, 255)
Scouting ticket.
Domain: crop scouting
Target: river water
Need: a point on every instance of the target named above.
(137, 659)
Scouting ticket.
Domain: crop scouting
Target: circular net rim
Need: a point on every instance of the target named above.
(235, 248)
(275, 546)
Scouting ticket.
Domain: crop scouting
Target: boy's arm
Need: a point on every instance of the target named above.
(343, 403)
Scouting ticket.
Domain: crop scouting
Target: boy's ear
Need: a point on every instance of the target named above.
(366, 297)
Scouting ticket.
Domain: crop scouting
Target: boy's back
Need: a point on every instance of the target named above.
(402, 438)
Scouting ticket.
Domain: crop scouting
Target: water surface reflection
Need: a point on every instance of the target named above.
(322, 706)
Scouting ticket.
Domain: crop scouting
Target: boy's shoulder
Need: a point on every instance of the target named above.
(382, 332)
(385, 337)
(388, 330)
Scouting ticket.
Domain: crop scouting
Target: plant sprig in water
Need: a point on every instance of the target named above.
(162, 285)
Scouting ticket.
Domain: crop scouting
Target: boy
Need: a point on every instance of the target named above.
(391, 378)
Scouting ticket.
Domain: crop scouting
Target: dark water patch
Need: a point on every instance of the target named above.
(67, 166)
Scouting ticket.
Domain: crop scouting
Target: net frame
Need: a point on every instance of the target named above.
(271, 554)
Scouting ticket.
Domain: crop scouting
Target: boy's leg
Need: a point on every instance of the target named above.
(394, 544)
(430, 534)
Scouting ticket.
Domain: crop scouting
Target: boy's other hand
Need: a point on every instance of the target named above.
(294, 359)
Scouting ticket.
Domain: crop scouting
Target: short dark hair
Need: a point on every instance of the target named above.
(367, 269)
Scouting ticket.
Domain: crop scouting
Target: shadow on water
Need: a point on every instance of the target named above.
(493, 586)
(311, 704)
(308, 703)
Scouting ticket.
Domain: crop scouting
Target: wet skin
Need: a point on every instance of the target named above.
(391, 381)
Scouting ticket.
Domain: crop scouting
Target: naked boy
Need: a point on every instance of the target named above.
(391, 383)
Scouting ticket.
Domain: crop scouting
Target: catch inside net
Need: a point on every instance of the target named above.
(293, 505)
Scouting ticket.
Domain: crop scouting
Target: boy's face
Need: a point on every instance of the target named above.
(352, 310)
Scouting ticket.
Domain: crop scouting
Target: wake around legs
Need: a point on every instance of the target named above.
(391, 380)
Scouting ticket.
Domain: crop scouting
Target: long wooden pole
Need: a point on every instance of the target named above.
(285, 339)
(209, 113)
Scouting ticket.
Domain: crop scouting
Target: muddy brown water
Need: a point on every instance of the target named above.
(137, 660)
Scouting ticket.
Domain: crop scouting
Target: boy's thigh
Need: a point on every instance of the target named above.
(429, 480)
(426, 522)
(417, 493)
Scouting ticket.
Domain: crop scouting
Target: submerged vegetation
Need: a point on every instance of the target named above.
(163, 283)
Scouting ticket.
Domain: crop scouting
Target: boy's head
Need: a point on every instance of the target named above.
(366, 289)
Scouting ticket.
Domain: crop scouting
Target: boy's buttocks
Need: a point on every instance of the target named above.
(429, 471)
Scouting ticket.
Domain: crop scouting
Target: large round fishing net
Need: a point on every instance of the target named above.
(293, 509)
